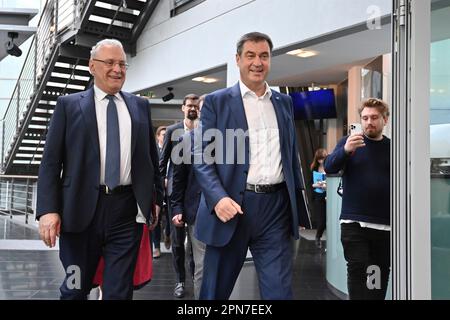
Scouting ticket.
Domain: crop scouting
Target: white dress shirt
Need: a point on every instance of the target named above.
(101, 104)
(264, 137)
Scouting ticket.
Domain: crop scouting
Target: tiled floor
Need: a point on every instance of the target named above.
(37, 273)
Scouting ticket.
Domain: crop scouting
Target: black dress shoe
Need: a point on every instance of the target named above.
(179, 290)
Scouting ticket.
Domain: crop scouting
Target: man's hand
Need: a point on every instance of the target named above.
(226, 209)
(155, 218)
(157, 210)
(354, 142)
(177, 220)
(49, 228)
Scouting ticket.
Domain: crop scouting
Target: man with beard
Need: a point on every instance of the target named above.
(185, 200)
(365, 215)
(174, 132)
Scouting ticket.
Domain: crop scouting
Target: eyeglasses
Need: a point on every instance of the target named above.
(112, 63)
(192, 106)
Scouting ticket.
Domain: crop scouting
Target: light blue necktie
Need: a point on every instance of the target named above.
(112, 165)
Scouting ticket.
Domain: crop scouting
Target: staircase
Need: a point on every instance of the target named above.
(57, 64)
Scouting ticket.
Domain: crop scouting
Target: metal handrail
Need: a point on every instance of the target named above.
(57, 17)
(16, 195)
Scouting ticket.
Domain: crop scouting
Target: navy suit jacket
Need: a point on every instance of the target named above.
(224, 110)
(69, 174)
(186, 190)
(171, 139)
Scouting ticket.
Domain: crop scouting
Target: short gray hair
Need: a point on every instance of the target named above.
(105, 42)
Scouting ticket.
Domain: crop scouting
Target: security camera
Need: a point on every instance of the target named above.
(11, 47)
(168, 96)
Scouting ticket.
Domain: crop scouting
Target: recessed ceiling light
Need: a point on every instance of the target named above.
(210, 80)
(205, 79)
(302, 53)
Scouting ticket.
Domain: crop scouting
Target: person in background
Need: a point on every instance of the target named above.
(365, 216)
(319, 193)
(156, 233)
(184, 201)
(178, 232)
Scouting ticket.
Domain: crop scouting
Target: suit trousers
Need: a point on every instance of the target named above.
(198, 252)
(178, 237)
(113, 234)
(265, 228)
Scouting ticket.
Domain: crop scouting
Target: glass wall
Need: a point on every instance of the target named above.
(440, 149)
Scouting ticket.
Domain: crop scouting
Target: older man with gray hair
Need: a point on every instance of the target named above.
(99, 178)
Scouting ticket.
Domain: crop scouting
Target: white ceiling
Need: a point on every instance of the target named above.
(334, 60)
(336, 57)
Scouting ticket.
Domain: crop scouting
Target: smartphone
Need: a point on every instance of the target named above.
(355, 128)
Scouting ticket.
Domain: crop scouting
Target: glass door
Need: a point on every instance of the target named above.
(440, 149)
(421, 149)
(410, 162)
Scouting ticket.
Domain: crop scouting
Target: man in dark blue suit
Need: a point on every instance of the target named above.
(169, 149)
(252, 190)
(185, 200)
(98, 178)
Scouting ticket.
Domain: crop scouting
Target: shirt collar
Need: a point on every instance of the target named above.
(196, 121)
(100, 94)
(245, 90)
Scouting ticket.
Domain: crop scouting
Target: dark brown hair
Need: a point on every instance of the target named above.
(255, 37)
(321, 153)
(190, 96)
(158, 131)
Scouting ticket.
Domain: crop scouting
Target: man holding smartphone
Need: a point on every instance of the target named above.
(365, 217)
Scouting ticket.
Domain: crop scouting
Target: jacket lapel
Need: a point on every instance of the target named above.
(237, 107)
(281, 115)
(87, 106)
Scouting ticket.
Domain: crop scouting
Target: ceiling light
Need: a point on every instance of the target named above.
(210, 80)
(205, 79)
(302, 53)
